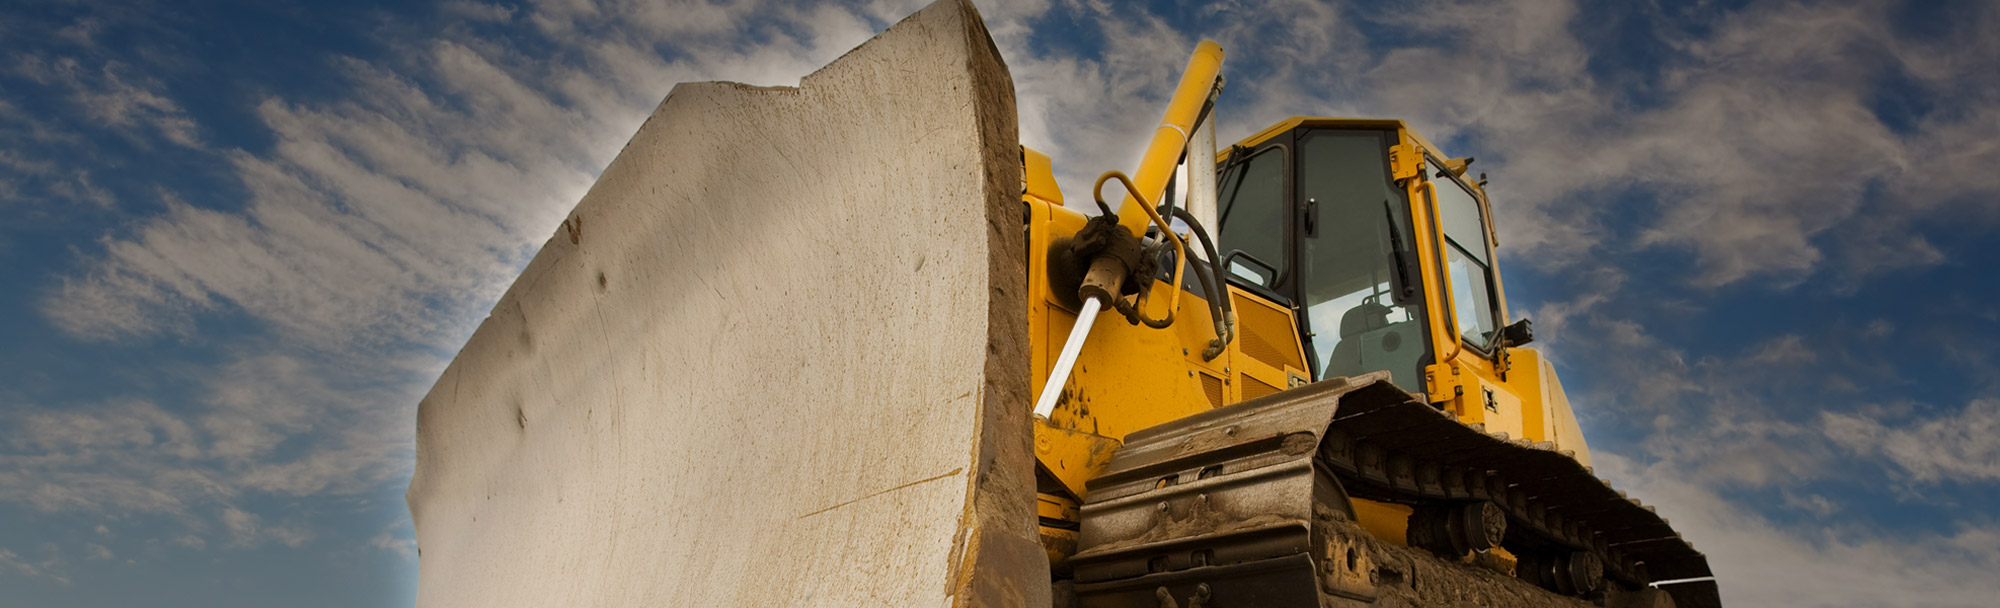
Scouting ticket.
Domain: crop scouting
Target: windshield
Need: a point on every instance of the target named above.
(1356, 222)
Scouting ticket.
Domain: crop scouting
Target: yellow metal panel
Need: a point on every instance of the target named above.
(1254, 388)
(1388, 522)
(1072, 457)
(1058, 543)
(1493, 406)
(1267, 332)
(1524, 379)
(1127, 377)
(1039, 177)
(1567, 435)
(1443, 380)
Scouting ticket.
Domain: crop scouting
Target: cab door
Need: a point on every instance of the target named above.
(1362, 305)
(1253, 211)
(1467, 376)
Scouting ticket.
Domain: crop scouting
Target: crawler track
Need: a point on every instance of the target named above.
(1225, 503)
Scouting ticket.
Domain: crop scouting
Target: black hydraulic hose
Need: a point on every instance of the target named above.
(1212, 282)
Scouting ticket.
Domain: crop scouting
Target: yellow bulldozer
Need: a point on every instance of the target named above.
(849, 343)
(1338, 349)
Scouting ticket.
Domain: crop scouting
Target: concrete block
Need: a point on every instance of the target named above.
(776, 356)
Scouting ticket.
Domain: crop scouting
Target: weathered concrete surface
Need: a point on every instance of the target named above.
(775, 357)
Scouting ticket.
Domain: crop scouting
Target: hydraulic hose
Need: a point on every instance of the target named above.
(1218, 295)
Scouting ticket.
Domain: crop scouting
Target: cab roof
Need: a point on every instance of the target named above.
(1342, 123)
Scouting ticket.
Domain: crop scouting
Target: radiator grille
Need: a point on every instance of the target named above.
(1254, 388)
(1212, 385)
(1261, 349)
(1266, 334)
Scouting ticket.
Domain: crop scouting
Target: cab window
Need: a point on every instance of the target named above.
(1358, 296)
(1467, 264)
(1251, 210)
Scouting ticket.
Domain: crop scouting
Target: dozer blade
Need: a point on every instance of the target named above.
(1250, 504)
(777, 356)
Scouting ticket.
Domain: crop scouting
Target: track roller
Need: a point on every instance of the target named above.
(1455, 529)
(1570, 573)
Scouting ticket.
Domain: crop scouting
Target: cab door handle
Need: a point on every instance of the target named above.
(1312, 217)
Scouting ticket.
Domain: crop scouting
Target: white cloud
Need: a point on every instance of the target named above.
(378, 227)
(1878, 329)
(1787, 349)
(1756, 137)
(1959, 446)
(249, 530)
(110, 96)
(478, 11)
(50, 568)
(264, 426)
(384, 223)
(406, 547)
(1771, 461)
(114, 457)
(1755, 134)
(1761, 563)
(96, 552)
(400, 213)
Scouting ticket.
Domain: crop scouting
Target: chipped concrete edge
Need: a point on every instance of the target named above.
(999, 561)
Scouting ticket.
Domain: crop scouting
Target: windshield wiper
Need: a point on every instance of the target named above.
(1404, 290)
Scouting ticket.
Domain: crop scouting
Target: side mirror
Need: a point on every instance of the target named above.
(1521, 332)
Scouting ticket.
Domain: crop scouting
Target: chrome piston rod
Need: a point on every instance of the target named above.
(1059, 376)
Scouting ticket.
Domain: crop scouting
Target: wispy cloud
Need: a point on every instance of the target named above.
(111, 96)
(397, 213)
(51, 568)
(248, 529)
(266, 426)
(1755, 133)
(1763, 563)
(377, 228)
(406, 547)
(1957, 446)
(97, 552)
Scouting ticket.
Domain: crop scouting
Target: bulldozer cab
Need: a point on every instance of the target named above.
(1317, 213)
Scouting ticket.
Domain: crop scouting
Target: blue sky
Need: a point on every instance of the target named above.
(240, 240)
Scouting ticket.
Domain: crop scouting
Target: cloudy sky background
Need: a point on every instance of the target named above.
(240, 240)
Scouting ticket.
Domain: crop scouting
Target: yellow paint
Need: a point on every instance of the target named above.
(1072, 457)
(1170, 138)
(1388, 522)
(1058, 543)
(1038, 177)
(1526, 398)
(1129, 377)
(1504, 560)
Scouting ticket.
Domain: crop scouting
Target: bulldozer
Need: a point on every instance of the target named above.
(1338, 349)
(840, 343)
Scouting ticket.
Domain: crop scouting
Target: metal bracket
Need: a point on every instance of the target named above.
(1404, 161)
